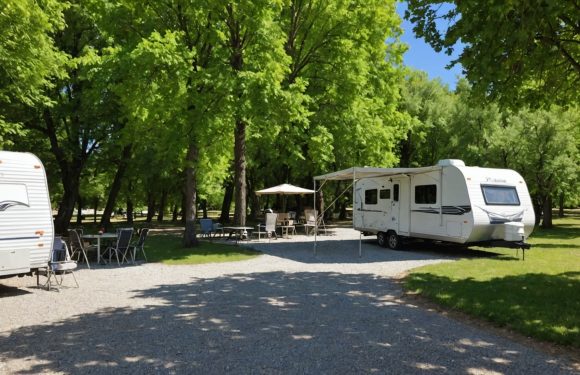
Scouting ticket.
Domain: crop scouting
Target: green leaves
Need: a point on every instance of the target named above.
(517, 53)
(28, 59)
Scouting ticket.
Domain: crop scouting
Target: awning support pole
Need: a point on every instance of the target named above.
(315, 218)
(353, 213)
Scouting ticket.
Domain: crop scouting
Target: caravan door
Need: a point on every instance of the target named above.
(400, 206)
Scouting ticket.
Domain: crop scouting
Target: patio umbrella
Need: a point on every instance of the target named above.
(284, 189)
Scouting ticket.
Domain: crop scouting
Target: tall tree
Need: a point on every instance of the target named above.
(169, 52)
(523, 51)
(257, 59)
(82, 114)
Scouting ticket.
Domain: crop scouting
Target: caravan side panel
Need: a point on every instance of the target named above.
(440, 206)
(25, 214)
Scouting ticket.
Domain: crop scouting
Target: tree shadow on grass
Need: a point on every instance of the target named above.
(540, 305)
(267, 323)
(561, 231)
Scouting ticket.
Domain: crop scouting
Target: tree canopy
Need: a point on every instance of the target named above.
(515, 52)
(180, 105)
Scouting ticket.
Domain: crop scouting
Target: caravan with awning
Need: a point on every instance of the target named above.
(26, 227)
(447, 202)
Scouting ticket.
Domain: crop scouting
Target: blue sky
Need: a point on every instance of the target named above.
(421, 56)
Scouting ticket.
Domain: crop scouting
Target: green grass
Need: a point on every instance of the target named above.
(539, 297)
(168, 249)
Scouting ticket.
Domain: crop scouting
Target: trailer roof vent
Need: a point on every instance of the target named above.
(448, 162)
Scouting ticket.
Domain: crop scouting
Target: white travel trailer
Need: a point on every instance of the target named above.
(446, 202)
(26, 227)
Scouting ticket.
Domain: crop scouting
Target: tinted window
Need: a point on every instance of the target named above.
(396, 192)
(371, 196)
(426, 194)
(385, 194)
(500, 195)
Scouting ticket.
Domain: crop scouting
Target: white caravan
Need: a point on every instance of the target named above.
(446, 202)
(26, 227)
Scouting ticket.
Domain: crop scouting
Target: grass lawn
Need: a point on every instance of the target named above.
(168, 249)
(539, 297)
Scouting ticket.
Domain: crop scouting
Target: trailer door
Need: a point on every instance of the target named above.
(400, 206)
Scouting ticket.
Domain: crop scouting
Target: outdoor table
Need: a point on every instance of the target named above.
(285, 230)
(242, 231)
(98, 237)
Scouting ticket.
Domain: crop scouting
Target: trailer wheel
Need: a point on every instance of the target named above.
(393, 240)
(382, 239)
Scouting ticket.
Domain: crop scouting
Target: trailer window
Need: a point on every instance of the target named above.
(385, 194)
(426, 194)
(396, 192)
(500, 195)
(371, 196)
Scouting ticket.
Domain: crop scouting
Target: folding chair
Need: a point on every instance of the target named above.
(139, 245)
(77, 246)
(122, 246)
(60, 264)
(207, 227)
(269, 228)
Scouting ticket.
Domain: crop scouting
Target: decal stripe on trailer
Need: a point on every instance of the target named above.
(19, 238)
(447, 210)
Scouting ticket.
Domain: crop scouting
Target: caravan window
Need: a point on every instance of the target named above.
(500, 195)
(371, 196)
(426, 194)
(396, 192)
(385, 194)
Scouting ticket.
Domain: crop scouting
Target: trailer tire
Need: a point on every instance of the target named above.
(393, 240)
(382, 239)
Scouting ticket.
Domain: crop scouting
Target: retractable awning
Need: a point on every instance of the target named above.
(366, 172)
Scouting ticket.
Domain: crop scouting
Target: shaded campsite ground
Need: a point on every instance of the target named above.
(286, 311)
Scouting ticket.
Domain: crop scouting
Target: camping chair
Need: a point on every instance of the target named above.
(311, 221)
(122, 246)
(207, 227)
(269, 228)
(77, 246)
(60, 264)
(139, 245)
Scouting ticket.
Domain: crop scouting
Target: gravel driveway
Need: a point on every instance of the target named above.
(286, 311)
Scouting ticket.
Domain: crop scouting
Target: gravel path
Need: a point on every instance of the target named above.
(286, 311)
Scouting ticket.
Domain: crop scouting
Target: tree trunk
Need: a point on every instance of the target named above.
(547, 218)
(150, 206)
(227, 202)
(183, 205)
(190, 213)
(130, 210)
(95, 208)
(406, 151)
(67, 203)
(175, 213)
(561, 205)
(162, 205)
(116, 187)
(79, 211)
(240, 173)
(203, 207)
